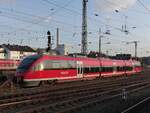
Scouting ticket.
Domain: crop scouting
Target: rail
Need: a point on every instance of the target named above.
(83, 98)
(134, 107)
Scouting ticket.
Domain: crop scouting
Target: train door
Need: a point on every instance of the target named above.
(79, 69)
(114, 67)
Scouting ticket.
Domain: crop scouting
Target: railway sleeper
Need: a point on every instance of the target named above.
(94, 102)
(77, 100)
(87, 98)
(16, 95)
(80, 99)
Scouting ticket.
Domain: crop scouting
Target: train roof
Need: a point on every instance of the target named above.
(87, 61)
(54, 57)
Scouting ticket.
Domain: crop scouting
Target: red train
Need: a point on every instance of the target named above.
(37, 68)
(8, 64)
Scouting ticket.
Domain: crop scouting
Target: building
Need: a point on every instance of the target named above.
(62, 49)
(2, 52)
(146, 61)
(44, 51)
(16, 52)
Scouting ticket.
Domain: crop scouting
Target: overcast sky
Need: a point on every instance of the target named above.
(27, 21)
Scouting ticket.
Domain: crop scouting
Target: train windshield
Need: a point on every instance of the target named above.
(25, 64)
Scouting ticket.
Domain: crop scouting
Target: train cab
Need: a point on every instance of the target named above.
(24, 68)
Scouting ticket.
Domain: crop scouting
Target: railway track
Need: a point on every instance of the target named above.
(66, 96)
(138, 107)
(93, 88)
(73, 105)
(2, 79)
(24, 91)
(24, 99)
(103, 80)
(66, 86)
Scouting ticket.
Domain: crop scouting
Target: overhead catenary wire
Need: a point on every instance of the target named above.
(143, 5)
(39, 17)
(43, 17)
(30, 15)
(112, 26)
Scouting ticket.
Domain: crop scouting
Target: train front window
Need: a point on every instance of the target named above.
(25, 64)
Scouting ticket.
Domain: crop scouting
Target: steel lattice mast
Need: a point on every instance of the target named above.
(84, 28)
(135, 43)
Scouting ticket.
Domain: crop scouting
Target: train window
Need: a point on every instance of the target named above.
(92, 70)
(86, 70)
(97, 69)
(107, 69)
(72, 64)
(81, 70)
(127, 68)
(58, 64)
(130, 68)
(38, 67)
(25, 64)
(110, 69)
(47, 64)
(64, 64)
(103, 69)
(124, 68)
(78, 70)
(120, 68)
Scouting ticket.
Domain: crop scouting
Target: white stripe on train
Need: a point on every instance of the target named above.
(76, 77)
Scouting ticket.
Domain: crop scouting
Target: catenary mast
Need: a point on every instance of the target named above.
(84, 28)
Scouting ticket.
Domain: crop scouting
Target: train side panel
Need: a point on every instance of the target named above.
(48, 68)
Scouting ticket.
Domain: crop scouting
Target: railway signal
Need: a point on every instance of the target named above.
(49, 41)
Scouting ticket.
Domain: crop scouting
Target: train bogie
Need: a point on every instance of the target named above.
(30, 83)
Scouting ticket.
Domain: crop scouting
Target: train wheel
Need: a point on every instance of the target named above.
(50, 82)
(54, 81)
(42, 83)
